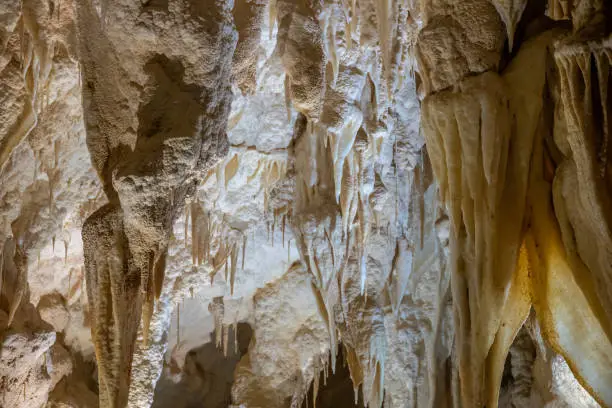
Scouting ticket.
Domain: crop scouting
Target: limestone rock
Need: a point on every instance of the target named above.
(278, 203)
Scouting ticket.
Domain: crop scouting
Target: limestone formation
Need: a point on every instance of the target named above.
(285, 203)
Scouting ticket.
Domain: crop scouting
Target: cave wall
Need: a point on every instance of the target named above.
(413, 194)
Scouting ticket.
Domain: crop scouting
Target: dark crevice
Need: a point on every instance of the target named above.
(157, 5)
(517, 379)
(337, 391)
(532, 23)
(207, 375)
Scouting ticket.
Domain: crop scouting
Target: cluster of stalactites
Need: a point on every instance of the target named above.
(37, 30)
(214, 243)
(222, 330)
(38, 48)
(489, 140)
(339, 192)
(13, 276)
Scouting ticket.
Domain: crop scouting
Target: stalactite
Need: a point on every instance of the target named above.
(603, 60)
(234, 260)
(244, 244)
(484, 235)
(315, 386)
(272, 12)
(283, 229)
(111, 288)
(235, 330)
(582, 197)
(13, 270)
(420, 201)
(355, 370)
(36, 63)
(288, 104)
(68, 292)
(330, 247)
(178, 325)
(510, 12)
(2, 267)
(225, 339)
(217, 309)
(226, 266)
(384, 19)
(402, 266)
(187, 208)
(157, 267)
(195, 241)
(341, 148)
(559, 9)
(19, 271)
(231, 168)
(66, 244)
(56, 152)
(347, 196)
(332, 51)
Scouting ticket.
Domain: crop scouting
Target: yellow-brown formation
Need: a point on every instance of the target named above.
(490, 139)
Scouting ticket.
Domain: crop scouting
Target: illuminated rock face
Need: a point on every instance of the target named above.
(278, 203)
